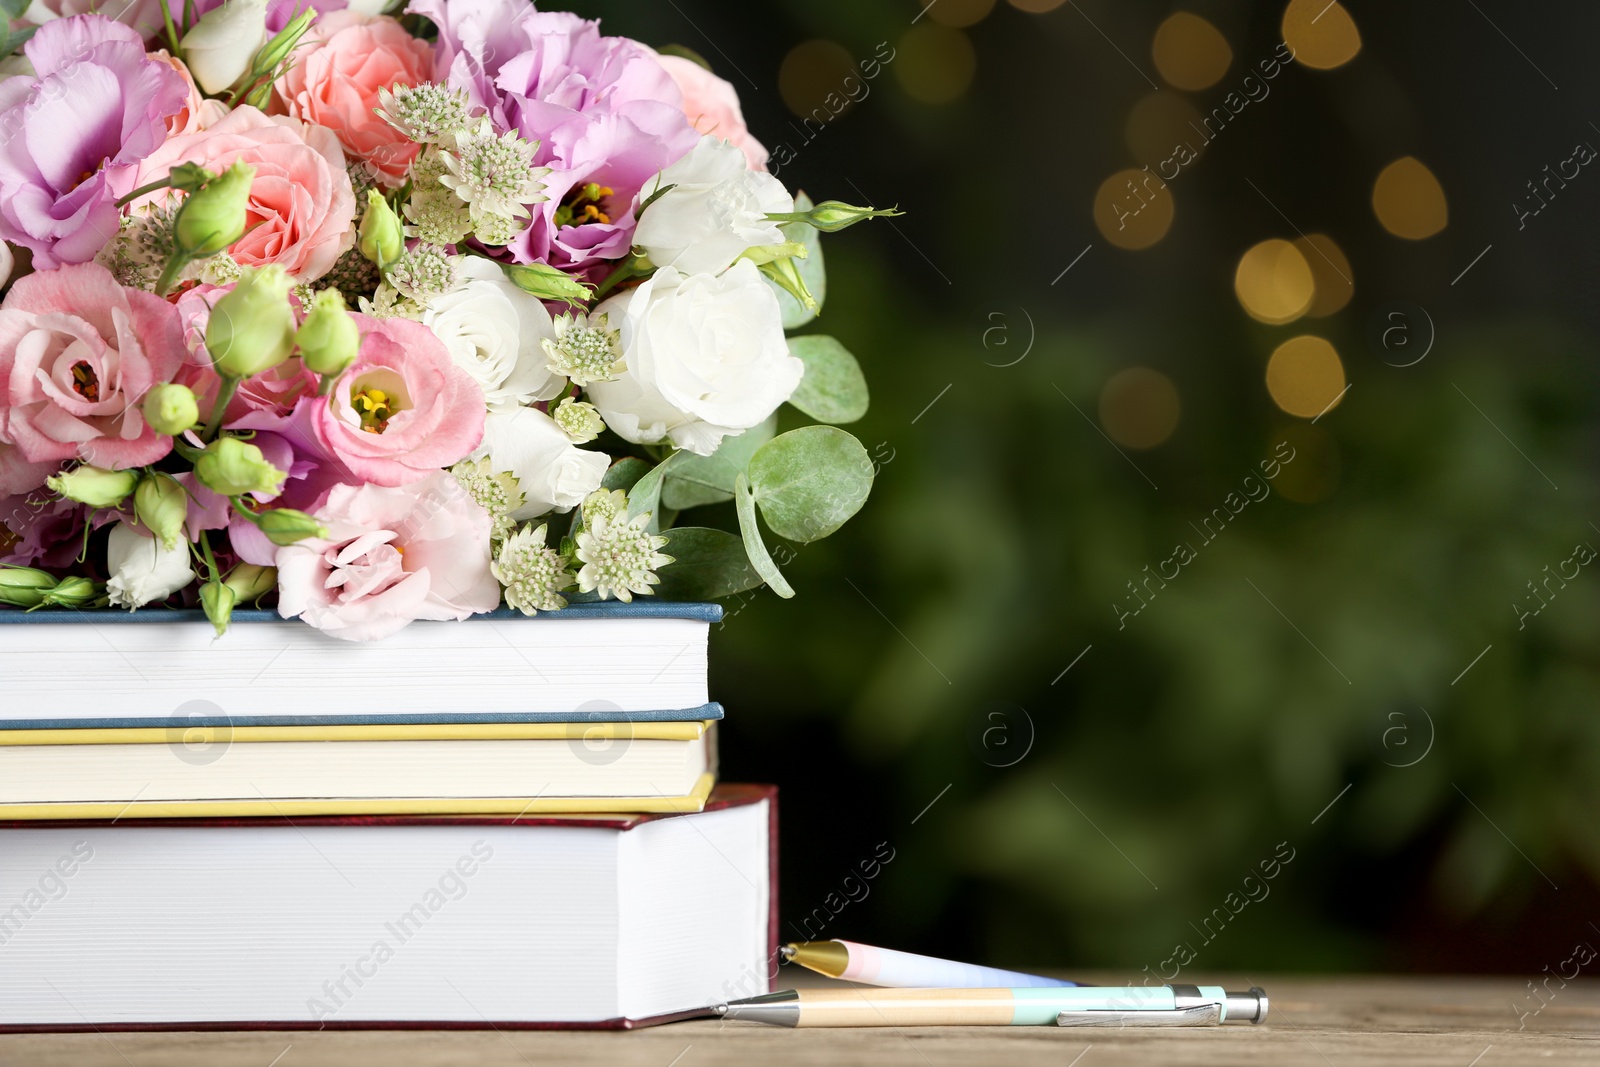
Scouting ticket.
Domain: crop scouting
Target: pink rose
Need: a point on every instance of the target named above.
(77, 353)
(187, 118)
(334, 81)
(419, 551)
(403, 409)
(301, 204)
(712, 106)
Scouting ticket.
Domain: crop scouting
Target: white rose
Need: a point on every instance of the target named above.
(553, 474)
(142, 570)
(369, 7)
(705, 358)
(717, 207)
(492, 330)
(8, 262)
(220, 46)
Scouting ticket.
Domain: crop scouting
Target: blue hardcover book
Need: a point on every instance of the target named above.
(611, 662)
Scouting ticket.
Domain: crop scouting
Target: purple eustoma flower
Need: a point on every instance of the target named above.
(69, 135)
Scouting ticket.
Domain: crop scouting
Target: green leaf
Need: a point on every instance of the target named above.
(698, 480)
(14, 40)
(811, 269)
(646, 493)
(810, 481)
(754, 547)
(833, 389)
(708, 564)
(624, 473)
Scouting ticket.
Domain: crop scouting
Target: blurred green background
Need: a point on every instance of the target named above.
(1348, 686)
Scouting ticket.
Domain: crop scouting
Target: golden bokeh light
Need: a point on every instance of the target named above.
(811, 72)
(1330, 270)
(1133, 209)
(1305, 376)
(1037, 7)
(960, 13)
(1139, 407)
(1308, 459)
(1190, 53)
(1157, 124)
(1322, 34)
(1274, 282)
(935, 64)
(1409, 201)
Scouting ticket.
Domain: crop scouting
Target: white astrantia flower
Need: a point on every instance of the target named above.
(495, 175)
(497, 493)
(585, 348)
(437, 217)
(497, 230)
(425, 272)
(532, 573)
(493, 331)
(604, 504)
(714, 207)
(553, 473)
(428, 113)
(620, 557)
(705, 354)
(579, 419)
(142, 570)
(389, 303)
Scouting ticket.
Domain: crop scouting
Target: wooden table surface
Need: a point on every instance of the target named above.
(1324, 1022)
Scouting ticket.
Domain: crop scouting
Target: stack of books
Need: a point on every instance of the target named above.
(499, 822)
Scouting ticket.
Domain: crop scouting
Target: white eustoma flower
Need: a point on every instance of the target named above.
(219, 47)
(705, 358)
(552, 473)
(715, 209)
(494, 331)
(141, 570)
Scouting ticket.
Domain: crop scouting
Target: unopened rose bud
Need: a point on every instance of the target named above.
(547, 282)
(381, 238)
(218, 47)
(252, 328)
(171, 408)
(162, 506)
(213, 217)
(285, 526)
(95, 486)
(329, 339)
(24, 587)
(249, 581)
(218, 600)
(232, 467)
(75, 592)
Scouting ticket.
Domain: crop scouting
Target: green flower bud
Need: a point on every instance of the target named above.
(95, 486)
(831, 216)
(381, 238)
(73, 593)
(162, 505)
(328, 338)
(24, 587)
(759, 254)
(252, 328)
(218, 600)
(547, 282)
(233, 467)
(213, 216)
(275, 51)
(285, 526)
(249, 581)
(171, 408)
(189, 177)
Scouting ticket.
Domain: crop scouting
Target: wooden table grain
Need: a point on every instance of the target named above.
(1320, 1022)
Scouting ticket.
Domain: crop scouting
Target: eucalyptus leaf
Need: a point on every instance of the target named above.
(833, 389)
(646, 493)
(698, 480)
(810, 481)
(812, 270)
(624, 473)
(14, 8)
(755, 549)
(708, 564)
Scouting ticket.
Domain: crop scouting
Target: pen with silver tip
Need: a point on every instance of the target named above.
(1116, 1006)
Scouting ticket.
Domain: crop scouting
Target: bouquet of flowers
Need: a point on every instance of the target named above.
(395, 317)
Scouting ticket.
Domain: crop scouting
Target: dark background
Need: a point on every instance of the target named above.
(1307, 686)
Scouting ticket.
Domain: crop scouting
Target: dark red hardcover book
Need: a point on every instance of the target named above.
(105, 921)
